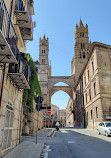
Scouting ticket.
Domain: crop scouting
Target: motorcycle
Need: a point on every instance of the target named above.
(57, 128)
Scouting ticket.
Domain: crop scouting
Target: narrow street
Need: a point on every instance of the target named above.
(65, 143)
(69, 144)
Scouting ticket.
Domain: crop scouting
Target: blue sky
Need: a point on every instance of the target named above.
(57, 19)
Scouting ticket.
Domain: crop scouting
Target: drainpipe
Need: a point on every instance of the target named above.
(2, 85)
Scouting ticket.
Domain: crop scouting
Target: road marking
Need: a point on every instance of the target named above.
(71, 142)
(46, 151)
(64, 131)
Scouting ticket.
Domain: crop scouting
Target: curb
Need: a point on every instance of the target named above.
(51, 133)
(42, 150)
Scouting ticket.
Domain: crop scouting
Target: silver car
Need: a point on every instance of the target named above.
(104, 128)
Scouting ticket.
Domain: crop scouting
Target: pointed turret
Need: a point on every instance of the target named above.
(44, 36)
(80, 23)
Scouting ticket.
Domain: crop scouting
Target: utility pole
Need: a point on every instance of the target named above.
(38, 101)
(37, 122)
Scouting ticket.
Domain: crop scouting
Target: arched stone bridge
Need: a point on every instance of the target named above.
(52, 80)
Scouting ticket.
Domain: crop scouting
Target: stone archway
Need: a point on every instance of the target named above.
(52, 80)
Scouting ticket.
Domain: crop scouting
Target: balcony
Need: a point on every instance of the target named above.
(7, 36)
(24, 19)
(20, 73)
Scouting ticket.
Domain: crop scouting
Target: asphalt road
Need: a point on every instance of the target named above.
(69, 144)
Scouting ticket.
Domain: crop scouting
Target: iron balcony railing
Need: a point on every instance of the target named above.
(21, 68)
(6, 26)
(24, 19)
(21, 7)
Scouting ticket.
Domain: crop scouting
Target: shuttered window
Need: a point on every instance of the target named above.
(7, 135)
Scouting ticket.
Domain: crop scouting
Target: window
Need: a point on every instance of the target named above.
(43, 61)
(86, 97)
(84, 55)
(88, 74)
(81, 46)
(83, 100)
(110, 109)
(95, 88)
(90, 94)
(44, 51)
(87, 115)
(91, 114)
(85, 81)
(81, 34)
(96, 112)
(92, 67)
(80, 54)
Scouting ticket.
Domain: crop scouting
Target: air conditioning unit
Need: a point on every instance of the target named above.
(34, 24)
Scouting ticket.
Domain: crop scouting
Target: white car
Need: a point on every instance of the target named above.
(104, 128)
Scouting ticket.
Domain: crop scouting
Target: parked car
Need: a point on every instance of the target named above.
(104, 128)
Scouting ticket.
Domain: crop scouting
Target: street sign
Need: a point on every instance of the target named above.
(49, 107)
(39, 99)
(49, 111)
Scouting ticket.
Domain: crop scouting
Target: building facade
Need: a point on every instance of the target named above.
(62, 117)
(91, 66)
(54, 113)
(69, 114)
(93, 88)
(15, 29)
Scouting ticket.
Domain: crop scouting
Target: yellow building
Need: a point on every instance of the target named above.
(54, 113)
(16, 28)
(69, 114)
(62, 117)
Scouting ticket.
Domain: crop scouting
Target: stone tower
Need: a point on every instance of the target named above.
(81, 49)
(44, 69)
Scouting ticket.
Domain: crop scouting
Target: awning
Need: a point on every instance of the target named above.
(6, 54)
(19, 80)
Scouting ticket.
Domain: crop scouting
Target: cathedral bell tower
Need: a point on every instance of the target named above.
(43, 71)
(81, 49)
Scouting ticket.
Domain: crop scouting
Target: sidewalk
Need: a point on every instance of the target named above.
(90, 132)
(28, 149)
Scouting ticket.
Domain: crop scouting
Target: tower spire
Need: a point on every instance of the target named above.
(80, 23)
(44, 35)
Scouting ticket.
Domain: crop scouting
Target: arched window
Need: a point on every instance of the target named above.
(83, 46)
